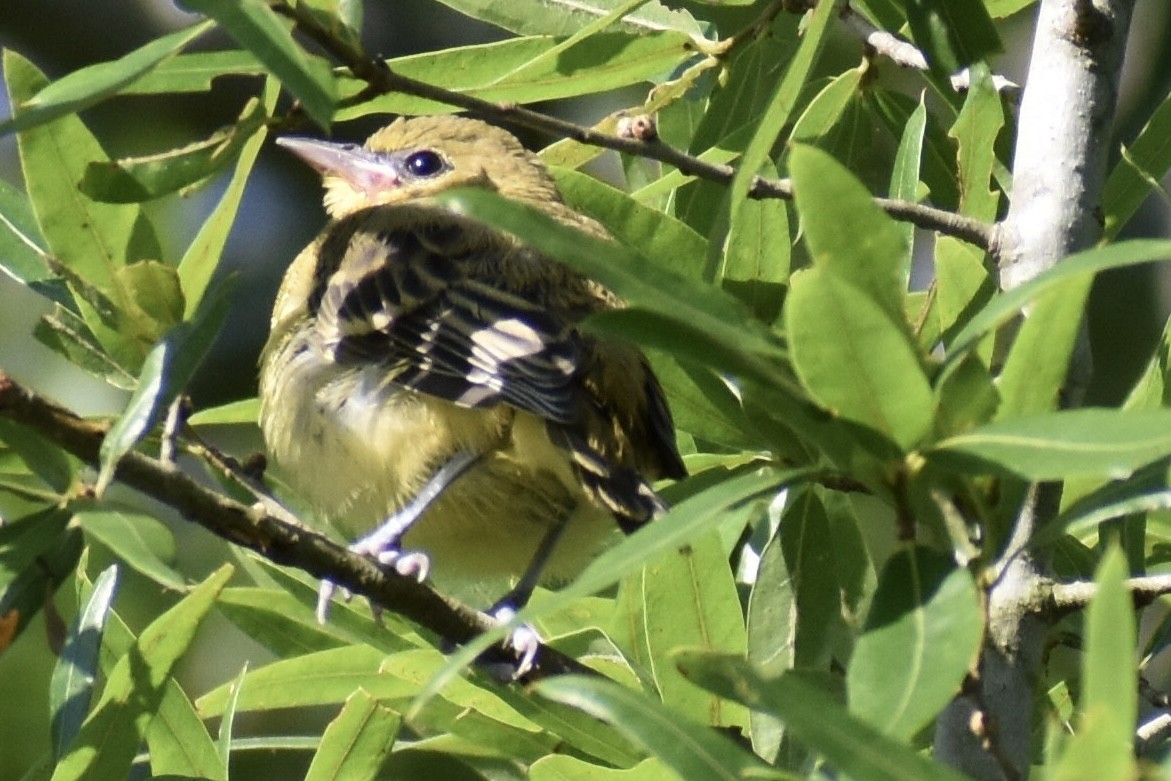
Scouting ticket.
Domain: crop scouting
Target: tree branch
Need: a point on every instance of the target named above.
(1066, 598)
(278, 540)
(382, 80)
(1062, 146)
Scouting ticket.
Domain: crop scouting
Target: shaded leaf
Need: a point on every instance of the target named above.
(87, 86)
(257, 28)
(922, 635)
(1058, 445)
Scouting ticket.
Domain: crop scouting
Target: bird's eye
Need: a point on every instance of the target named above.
(425, 163)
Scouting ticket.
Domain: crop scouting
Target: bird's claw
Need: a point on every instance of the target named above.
(409, 564)
(523, 640)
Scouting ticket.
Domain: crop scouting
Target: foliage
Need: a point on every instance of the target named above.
(858, 450)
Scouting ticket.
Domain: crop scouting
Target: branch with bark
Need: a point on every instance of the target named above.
(278, 539)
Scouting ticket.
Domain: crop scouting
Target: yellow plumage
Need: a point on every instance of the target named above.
(405, 337)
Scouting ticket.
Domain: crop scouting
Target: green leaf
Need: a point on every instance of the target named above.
(45, 460)
(177, 740)
(106, 744)
(527, 70)
(827, 107)
(834, 324)
(922, 635)
(658, 237)
(690, 749)
(65, 333)
(690, 600)
(257, 28)
(559, 767)
(952, 33)
(1038, 362)
(87, 86)
(242, 412)
(1004, 307)
(975, 131)
(1129, 183)
(89, 241)
(904, 176)
(139, 539)
(278, 621)
(145, 178)
(767, 128)
(203, 255)
(757, 257)
(1102, 748)
(38, 552)
(564, 17)
(166, 372)
(297, 682)
(22, 248)
(868, 255)
(847, 743)
(1058, 445)
(72, 685)
(355, 744)
(195, 72)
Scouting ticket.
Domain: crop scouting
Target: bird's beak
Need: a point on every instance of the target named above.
(364, 170)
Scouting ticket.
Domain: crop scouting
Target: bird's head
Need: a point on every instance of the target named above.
(422, 156)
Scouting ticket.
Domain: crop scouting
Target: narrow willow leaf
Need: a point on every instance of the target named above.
(257, 28)
(690, 600)
(228, 720)
(22, 248)
(1102, 748)
(1128, 185)
(827, 106)
(38, 552)
(1038, 362)
(140, 540)
(202, 257)
(904, 176)
(89, 240)
(72, 685)
(921, 637)
(178, 741)
(355, 744)
(519, 70)
(243, 412)
(559, 767)
(848, 744)
(1006, 306)
(1058, 445)
(83, 88)
(107, 742)
(144, 178)
(194, 72)
(952, 33)
(868, 255)
(767, 128)
(975, 131)
(565, 17)
(166, 372)
(831, 324)
(690, 749)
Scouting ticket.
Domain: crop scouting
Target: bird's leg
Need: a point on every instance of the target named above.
(524, 639)
(382, 543)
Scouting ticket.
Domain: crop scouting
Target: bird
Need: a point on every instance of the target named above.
(428, 383)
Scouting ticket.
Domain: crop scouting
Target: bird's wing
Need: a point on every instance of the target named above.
(400, 297)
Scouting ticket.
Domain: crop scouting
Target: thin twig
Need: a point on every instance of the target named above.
(382, 80)
(251, 527)
(1068, 597)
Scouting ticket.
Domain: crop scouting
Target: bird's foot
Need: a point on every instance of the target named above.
(523, 640)
(409, 564)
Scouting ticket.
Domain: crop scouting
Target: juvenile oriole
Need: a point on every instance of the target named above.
(427, 374)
